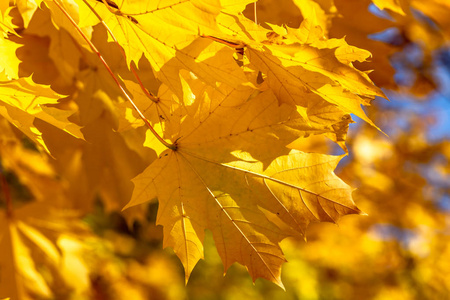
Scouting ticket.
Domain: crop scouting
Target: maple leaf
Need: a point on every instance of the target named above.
(228, 163)
(351, 19)
(353, 12)
(22, 102)
(299, 73)
(167, 34)
(294, 83)
(311, 34)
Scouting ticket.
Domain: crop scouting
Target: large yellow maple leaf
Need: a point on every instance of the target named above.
(229, 168)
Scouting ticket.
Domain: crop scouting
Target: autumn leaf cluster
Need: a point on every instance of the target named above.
(190, 105)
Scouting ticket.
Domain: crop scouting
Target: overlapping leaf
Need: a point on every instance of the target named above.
(300, 71)
(231, 159)
(22, 102)
(166, 33)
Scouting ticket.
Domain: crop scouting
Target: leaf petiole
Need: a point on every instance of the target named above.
(236, 45)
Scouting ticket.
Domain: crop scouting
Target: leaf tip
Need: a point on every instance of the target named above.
(361, 213)
(280, 284)
(126, 207)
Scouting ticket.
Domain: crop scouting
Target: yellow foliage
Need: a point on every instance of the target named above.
(214, 120)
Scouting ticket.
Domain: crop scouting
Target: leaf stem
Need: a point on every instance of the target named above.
(141, 115)
(133, 70)
(235, 45)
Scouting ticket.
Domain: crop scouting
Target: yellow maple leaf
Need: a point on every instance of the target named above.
(22, 102)
(311, 34)
(297, 85)
(357, 23)
(351, 19)
(167, 34)
(231, 159)
(300, 71)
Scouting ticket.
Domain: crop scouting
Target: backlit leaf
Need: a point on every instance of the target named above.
(223, 170)
(22, 102)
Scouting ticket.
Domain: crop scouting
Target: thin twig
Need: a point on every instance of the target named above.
(235, 45)
(141, 115)
(146, 92)
(239, 46)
